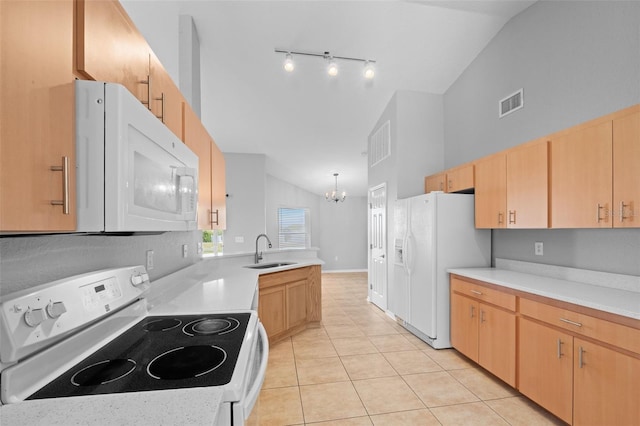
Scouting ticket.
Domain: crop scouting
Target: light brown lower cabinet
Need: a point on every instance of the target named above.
(484, 332)
(289, 301)
(580, 364)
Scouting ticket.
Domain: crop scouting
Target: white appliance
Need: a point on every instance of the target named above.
(93, 335)
(133, 174)
(433, 232)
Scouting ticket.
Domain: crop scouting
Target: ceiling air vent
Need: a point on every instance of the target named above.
(511, 103)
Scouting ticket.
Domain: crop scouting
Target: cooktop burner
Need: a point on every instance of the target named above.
(157, 353)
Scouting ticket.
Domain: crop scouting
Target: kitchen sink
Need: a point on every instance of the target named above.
(269, 265)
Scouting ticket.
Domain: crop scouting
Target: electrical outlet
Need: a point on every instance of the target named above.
(185, 250)
(199, 248)
(239, 239)
(149, 260)
(538, 250)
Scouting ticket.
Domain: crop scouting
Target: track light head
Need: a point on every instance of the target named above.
(369, 72)
(332, 69)
(289, 66)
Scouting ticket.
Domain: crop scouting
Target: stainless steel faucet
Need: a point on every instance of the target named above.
(258, 256)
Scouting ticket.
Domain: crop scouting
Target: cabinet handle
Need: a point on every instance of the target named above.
(471, 310)
(622, 206)
(148, 83)
(559, 348)
(65, 185)
(581, 351)
(512, 213)
(217, 221)
(577, 324)
(161, 99)
(481, 315)
(476, 292)
(450, 184)
(598, 217)
(500, 217)
(441, 185)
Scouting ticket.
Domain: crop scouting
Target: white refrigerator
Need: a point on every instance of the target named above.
(433, 232)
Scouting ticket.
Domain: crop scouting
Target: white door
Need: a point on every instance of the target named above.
(378, 246)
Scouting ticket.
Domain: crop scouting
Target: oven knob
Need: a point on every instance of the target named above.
(33, 317)
(136, 280)
(55, 309)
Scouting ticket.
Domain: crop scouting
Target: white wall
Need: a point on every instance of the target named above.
(576, 61)
(245, 181)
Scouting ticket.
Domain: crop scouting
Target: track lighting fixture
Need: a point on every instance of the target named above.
(332, 66)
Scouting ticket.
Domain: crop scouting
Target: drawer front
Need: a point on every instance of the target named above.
(596, 328)
(284, 277)
(486, 294)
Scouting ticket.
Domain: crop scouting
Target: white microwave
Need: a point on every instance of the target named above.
(132, 173)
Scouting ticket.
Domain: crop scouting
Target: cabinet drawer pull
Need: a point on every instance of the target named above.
(148, 83)
(471, 310)
(559, 348)
(622, 206)
(512, 214)
(476, 292)
(161, 99)
(217, 213)
(481, 315)
(598, 217)
(577, 324)
(581, 351)
(500, 218)
(450, 184)
(65, 185)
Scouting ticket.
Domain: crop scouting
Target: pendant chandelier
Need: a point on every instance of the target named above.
(334, 195)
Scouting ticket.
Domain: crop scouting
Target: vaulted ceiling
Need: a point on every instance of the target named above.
(310, 125)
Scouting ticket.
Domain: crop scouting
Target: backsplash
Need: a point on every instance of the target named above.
(27, 261)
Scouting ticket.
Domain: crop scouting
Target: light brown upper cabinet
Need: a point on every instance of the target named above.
(491, 188)
(435, 182)
(626, 169)
(211, 183)
(37, 144)
(460, 178)
(527, 185)
(581, 177)
(110, 48)
(166, 98)
(595, 173)
(218, 189)
(511, 187)
(198, 140)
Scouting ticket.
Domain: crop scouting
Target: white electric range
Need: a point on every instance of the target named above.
(95, 336)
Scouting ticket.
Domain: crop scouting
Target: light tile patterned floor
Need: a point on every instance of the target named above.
(361, 368)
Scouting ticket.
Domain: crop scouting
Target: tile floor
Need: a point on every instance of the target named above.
(361, 368)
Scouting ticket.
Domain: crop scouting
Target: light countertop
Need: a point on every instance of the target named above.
(613, 300)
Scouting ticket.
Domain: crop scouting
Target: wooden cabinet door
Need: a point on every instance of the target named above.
(626, 170)
(497, 342)
(490, 192)
(37, 116)
(272, 309)
(464, 325)
(434, 183)
(218, 188)
(198, 140)
(166, 99)
(605, 386)
(545, 367)
(527, 186)
(296, 303)
(460, 178)
(581, 177)
(110, 48)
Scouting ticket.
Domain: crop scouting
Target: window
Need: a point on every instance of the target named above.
(293, 227)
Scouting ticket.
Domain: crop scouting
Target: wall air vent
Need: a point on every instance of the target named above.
(380, 144)
(511, 103)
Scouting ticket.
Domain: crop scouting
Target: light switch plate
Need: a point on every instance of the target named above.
(538, 248)
(149, 260)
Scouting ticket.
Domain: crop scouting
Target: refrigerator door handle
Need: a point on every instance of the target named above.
(409, 254)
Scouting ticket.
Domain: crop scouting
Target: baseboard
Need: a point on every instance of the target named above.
(338, 271)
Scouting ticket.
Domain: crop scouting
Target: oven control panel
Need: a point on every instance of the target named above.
(41, 315)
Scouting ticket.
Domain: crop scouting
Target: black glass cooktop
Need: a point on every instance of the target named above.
(159, 352)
